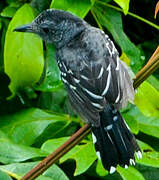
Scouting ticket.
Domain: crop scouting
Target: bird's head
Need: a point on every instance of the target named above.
(55, 26)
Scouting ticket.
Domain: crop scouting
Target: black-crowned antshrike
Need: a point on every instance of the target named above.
(97, 82)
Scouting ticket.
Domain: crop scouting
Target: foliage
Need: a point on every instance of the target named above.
(35, 115)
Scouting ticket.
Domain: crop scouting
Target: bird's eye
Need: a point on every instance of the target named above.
(45, 29)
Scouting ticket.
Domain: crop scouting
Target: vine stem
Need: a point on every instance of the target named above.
(141, 76)
(131, 14)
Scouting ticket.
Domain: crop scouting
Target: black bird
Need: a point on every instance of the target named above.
(97, 82)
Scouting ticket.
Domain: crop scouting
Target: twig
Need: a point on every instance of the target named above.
(142, 75)
(59, 152)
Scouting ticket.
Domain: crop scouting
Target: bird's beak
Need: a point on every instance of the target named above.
(24, 28)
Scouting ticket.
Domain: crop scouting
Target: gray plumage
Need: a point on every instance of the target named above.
(97, 82)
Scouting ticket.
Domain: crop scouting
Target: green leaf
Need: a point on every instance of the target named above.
(84, 155)
(100, 169)
(53, 101)
(79, 8)
(4, 176)
(124, 4)
(154, 82)
(55, 173)
(11, 152)
(52, 144)
(8, 11)
(147, 125)
(130, 174)
(23, 53)
(27, 125)
(20, 169)
(52, 81)
(132, 122)
(111, 19)
(147, 99)
(150, 156)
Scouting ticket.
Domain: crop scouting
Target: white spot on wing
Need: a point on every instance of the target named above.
(117, 66)
(69, 71)
(92, 94)
(112, 169)
(126, 166)
(85, 63)
(64, 66)
(63, 74)
(107, 44)
(76, 80)
(109, 127)
(98, 155)
(64, 80)
(132, 162)
(101, 72)
(115, 118)
(84, 77)
(94, 138)
(72, 87)
(108, 80)
(118, 97)
(97, 105)
(139, 154)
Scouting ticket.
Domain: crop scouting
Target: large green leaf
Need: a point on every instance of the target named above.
(4, 176)
(111, 19)
(11, 152)
(124, 4)
(84, 155)
(147, 99)
(20, 169)
(23, 53)
(27, 125)
(52, 81)
(79, 8)
(130, 174)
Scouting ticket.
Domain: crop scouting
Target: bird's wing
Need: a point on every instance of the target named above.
(92, 77)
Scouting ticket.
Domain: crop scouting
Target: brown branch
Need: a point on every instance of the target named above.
(63, 149)
(142, 75)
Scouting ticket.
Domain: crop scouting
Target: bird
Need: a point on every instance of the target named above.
(97, 82)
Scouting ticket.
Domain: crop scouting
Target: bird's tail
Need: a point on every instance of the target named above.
(114, 143)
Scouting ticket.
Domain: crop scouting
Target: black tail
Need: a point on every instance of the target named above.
(114, 143)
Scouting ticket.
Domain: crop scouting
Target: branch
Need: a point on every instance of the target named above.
(141, 76)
